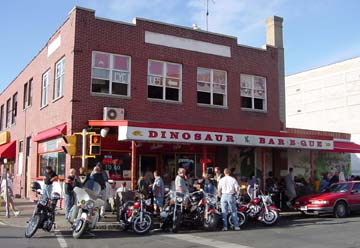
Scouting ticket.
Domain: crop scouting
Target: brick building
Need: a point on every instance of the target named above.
(174, 96)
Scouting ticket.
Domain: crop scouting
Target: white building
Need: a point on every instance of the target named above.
(327, 99)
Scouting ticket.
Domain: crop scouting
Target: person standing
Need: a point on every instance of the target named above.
(69, 192)
(8, 195)
(50, 178)
(158, 190)
(334, 178)
(207, 185)
(98, 176)
(180, 182)
(218, 175)
(290, 187)
(228, 187)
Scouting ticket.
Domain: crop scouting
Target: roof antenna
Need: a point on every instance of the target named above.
(207, 14)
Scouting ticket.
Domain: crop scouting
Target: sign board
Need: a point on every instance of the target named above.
(218, 138)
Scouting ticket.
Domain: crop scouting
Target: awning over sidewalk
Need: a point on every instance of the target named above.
(156, 132)
(348, 147)
(8, 150)
(50, 133)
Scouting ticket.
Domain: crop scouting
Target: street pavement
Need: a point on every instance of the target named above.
(292, 231)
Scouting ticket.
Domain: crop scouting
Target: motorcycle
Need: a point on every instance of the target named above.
(200, 211)
(212, 215)
(85, 214)
(44, 213)
(133, 215)
(261, 208)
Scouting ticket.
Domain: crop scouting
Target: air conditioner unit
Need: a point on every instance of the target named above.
(113, 114)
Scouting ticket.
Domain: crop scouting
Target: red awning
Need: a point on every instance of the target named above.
(8, 150)
(351, 147)
(50, 133)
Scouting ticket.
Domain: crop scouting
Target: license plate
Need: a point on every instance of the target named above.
(303, 208)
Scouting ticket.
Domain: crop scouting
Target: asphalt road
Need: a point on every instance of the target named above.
(323, 232)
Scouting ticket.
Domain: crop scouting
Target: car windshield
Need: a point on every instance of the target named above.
(339, 188)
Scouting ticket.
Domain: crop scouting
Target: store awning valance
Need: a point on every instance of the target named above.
(348, 147)
(160, 132)
(50, 133)
(8, 150)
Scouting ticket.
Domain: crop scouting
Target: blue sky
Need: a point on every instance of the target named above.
(316, 32)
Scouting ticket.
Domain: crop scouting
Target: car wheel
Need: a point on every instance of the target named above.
(341, 210)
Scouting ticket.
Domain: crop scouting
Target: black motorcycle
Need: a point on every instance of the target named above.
(44, 213)
(182, 210)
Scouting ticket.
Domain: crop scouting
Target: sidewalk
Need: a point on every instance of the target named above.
(27, 207)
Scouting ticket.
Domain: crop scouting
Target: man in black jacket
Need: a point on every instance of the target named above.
(69, 192)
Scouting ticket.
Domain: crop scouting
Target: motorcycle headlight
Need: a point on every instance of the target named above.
(90, 204)
(148, 202)
(179, 199)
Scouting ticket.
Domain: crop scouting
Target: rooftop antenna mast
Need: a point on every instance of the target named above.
(207, 14)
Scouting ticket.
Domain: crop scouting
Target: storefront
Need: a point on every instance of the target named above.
(150, 146)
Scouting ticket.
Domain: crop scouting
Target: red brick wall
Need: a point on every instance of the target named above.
(100, 35)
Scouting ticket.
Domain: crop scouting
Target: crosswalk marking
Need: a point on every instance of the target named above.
(205, 241)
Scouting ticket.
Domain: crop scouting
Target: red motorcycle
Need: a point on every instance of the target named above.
(259, 208)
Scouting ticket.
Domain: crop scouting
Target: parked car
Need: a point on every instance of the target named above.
(339, 199)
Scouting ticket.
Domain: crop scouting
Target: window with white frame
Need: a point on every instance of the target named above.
(164, 80)
(211, 87)
(59, 79)
(110, 74)
(45, 89)
(253, 92)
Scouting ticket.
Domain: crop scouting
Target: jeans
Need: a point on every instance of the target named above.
(69, 202)
(228, 201)
(47, 190)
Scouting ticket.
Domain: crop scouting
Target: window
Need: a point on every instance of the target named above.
(59, 79)
(211, 87)
(164, 80)
(14, 109)
(8, 113)
(2, 117)
(110, 74)
(45, 89)
(27, 97)
(28, 146)
(30, 93)
(56, 160)
(253, 92)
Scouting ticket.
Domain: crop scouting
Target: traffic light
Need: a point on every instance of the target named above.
(95, 144)
(70, 144)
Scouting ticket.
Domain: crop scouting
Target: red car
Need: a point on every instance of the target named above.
(339, 199)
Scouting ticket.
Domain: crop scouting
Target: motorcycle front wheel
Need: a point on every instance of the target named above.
(271, 217)
(79, 228)
(32, 226)
(142, 226)
(241, 219)
(211, 222)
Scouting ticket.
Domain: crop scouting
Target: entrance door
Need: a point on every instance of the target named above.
(147, 164)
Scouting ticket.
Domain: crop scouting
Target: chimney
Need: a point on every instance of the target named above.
(274, 37)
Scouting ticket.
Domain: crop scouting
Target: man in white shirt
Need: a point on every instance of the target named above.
(8, 195)
(227, 188)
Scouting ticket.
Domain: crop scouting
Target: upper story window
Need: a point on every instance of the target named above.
(45, 89)
(2, 117)
(253, 92)
(164, 80)
(27, 97)
(8, 113)
(59, 79)
(110, 74)
(211, 87)
(14, 108)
